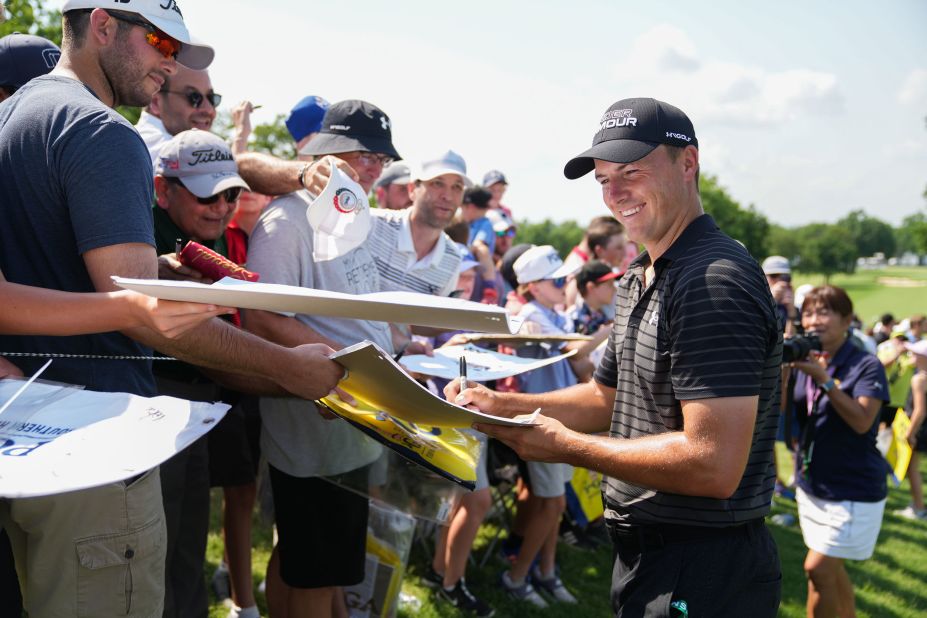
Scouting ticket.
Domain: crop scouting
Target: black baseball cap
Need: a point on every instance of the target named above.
(353, 125)
(630, 130)
(595, 271)
(507, 267)
(24, 57)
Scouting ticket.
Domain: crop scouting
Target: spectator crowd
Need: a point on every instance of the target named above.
(102, 198)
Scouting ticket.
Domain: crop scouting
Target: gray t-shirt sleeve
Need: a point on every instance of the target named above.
(275, 248)
(100, 190)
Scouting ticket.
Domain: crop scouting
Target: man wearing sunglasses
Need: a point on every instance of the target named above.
(185, 101)
(77, 209)
(197, 188)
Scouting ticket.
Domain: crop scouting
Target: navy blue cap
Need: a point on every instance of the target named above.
(353, 125)
(630, 130)
(306, 117)
(24, 57)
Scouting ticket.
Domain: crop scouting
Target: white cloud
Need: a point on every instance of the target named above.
(914, 89)
(666, 62)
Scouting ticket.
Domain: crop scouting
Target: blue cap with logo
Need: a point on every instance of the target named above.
(24, 57)
(306, 117)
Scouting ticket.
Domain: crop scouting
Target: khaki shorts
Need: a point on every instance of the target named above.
(95, 552)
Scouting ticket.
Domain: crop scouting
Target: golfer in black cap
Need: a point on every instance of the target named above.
(685, 390)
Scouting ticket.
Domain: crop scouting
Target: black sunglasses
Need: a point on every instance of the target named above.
(231, 195)
(196, 98)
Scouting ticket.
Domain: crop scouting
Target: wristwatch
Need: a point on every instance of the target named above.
(828, 385)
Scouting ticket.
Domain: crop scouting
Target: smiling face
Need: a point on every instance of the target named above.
(201, 222)
(174, 108)
(436, 201)
(134, 69)
(655, 197)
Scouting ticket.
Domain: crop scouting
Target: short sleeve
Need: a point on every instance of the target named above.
(606, 373)
(721, 323)
(277, 248)
(108, 181)
(872, 381)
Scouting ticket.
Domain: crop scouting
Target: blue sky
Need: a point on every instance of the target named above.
(806, 110)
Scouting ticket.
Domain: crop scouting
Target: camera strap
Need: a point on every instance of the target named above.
(813, 395)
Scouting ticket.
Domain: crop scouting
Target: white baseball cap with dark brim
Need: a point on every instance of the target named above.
(202, 161)
(630, 130)
(163, 14)
(539, 263)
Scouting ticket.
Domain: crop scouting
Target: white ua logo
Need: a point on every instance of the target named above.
(384, 122)
(654, 318)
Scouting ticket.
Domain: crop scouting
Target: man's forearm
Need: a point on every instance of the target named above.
(669, 462)
(585, 408)
(269, 175)
(220, 346)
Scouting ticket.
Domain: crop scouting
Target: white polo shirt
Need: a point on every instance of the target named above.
(153, 133)
(390, 242)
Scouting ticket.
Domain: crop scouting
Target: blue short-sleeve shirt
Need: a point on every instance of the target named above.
(844, 465)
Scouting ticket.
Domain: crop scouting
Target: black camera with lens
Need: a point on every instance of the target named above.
(799, 347)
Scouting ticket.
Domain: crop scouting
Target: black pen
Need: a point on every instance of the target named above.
(463, 374)
(177, 248)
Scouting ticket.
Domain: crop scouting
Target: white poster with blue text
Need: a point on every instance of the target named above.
(57, 438)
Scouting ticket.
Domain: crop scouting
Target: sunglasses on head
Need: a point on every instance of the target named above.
(195, 98)
(231, 195)
(157, 38)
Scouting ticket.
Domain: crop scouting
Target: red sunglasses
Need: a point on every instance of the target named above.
(157, 38)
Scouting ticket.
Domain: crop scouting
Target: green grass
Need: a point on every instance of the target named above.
(889, 585)
(872, 295)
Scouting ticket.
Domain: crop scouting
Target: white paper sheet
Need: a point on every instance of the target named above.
(396, 307)
(482, 365)
(55, 439)
(376, 379)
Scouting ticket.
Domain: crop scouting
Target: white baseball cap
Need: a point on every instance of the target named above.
(448, 163)
(776, 265)
(339, 216)
(201, 160)
(166, 15)
(540, 262)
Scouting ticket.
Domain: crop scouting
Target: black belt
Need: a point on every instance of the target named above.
(656, 536)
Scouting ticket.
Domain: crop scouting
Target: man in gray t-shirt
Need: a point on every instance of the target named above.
(316, 518)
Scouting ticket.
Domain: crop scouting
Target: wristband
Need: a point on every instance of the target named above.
(827, 386)
(302, 175)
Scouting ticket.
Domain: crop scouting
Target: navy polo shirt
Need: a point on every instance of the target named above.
(845, 465)
(704, 327)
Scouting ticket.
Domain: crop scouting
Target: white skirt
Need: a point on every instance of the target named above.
(843, 529)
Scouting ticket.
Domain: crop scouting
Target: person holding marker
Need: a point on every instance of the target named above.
(686, 388)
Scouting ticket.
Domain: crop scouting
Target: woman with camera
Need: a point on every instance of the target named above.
(840, 474)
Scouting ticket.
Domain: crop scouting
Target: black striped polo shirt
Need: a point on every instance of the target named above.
(705, 327)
